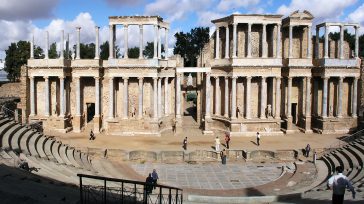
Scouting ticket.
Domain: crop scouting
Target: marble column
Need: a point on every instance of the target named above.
(248, 94)
(233, 97)
(217, 40)
(61, 96)
(155, 51)
(62, 45)
(340, 97)
(290, 51)
(141, 42)
(263, 97)
(166, 44)
(166, 96)
(46, 96)
(207, 94)
(111, 41)
(326, 54)
(324, 97)
(97, 96)
(68, 45)
(356, 41)
(78, 96)
(126, 47)
(317, 38)
(178, 95)
(277, 114)
(155, 98)
(32, 96)
(309, 42)
(140, 104)
(78, 55)
(264, 41)
(217, 96)
(159, 97)
(341, 48)
(289, 91)
(235, 25)
(159, 44)
(97, 44)
(355, 97)
(126, 98)
(47, 46)
(111, 97)
(227, 42)
(226, 101)
(32, 47)
(308, 97)
(249, 47)
(278, 49)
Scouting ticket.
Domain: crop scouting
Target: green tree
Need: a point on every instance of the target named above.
(133, 52)
(104, 51)
(148, 51)
(52, 52)
(17, 55)
(189, 45)
(87, 51)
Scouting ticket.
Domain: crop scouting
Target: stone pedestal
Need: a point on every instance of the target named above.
(97, 124)
(58, 124)
(77, 121)
(289, 126)
(307, 125)
(207, 126)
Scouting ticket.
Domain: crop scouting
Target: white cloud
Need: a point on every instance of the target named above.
(226, 5)
(204, 18)
(357, 16)
(124, 2)
(26, 9)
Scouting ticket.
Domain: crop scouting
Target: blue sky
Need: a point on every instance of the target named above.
(20, 18)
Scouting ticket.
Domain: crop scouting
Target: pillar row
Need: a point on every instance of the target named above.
(32, 96)
(126, 98)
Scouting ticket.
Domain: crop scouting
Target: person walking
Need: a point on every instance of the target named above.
(217, 144)
(307, 150)
(227, 140)
(338, 183)
(92, 135)
(258, 138)
(185, 143)
(223, 156)
(314, 157)
(155, 177)
(174, 126)
(149, 185)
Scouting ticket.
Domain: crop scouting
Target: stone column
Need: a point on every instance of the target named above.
(159, 97)
(264, 41)
(226, 101)
(324, 97)
(159, 44)
(355, 97)
(277, 114)
(97, 96)
(289, 90)
(178, 95)
(126, 41)
(155, 42)
(61, 96)
(166, 44)
(233, 97)
(278, 51)
(46, 96)
(263, 97)
(308, 97)
(227, 42)
(155, 99)
(166, 95)
(32, 96)
(141, 43)
(248, 93)
(140, 104)
(290, 51)
(78, 42)
(356, 41)
(235, 25)
(32, 47)
(249, 47)
(340, 96)
(317, 50)
(111, 98)
(217, 95)
(309, 42)
(326, 54)
(111, 41)
(68, 45)
(62, 45)
(125, 98)
(217, 40)
(78, 96)
(341, 49)
(47, 46)
(97, 53)
(207, 113)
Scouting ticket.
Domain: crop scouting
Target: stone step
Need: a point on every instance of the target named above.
(77, 157)
(55, 152)
(40, 146)
(24, 142)
(99, 167)
(48, 148)
(358, 155)
(8, 135)
(71, 158)
(31, 144)
(4, 128)
(15, 140)
(63, 154)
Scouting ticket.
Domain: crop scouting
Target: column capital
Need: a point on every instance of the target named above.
(78, 28)
(141, 26)
(341, 78)
(140, 78)
(216, 77)
(234, 77)
(31, 77)
(125, 26)
(125, 78)
(155, 78)
(61, 77)
(263, 77)
(97, 27)
(46, 77)
(226, 77)
(77, 77)
(249, 77)
(264, 24)
(278, 77)
(111, 26)
(97, 78)
(325, 77)
(111, 78)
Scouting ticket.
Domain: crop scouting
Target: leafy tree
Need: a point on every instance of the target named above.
(189, 45)
(52, 52)
(104, 51)
(17, 55)
(133, 52)
(87, 51)
(148, 51)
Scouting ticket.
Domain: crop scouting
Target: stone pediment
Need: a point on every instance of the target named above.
(301, 15)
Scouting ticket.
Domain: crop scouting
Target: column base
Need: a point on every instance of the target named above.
(77, 121)
(97, 124)
(307, 124)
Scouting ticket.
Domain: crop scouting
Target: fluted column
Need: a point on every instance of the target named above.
(355, 97)
(46, 94)
(277, 114)
(217, 40)
(226, 101)
(207, 113)
(78, 55)
(309, 42)
(61, 96)
(111, 41)
(326, 54)
(290, 51)
(233, 97)
(317, 38)
(47, 46)
(178, 96)
(341, 49)
(166, 96)
(140, 104)
(356, 41)
(264, 40)
(159, 44)
(263, 97)
(289, 90)
(160, 97)
(126, 47)
(308, 97)
(32, 47)
(126, 98)
(155, 42)
(248, 94)
(78, 96)
(324, 97)
(227, 42)
(278, 50)
(62, 45)
(97, 44)
(141, 41)
(68, 45)
(155, 98)
(32, 96)
(217, 95)
(97, 96)
(249, 47)
(166, 44)
(340, 97)
(111, 98)
(235, 25)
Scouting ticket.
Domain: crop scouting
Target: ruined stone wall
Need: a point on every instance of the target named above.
(12, 89)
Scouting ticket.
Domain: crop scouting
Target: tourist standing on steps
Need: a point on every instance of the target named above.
(174, 126)
(338, 183)
(155, 177)
(227, 140)
(217, 144)
(185, 143)
(314, 158)
(92, 135)
(258, 138)
(149, 185)
(307, 150)
(223, 156)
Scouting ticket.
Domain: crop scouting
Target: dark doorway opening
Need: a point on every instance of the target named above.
(294, 113)
(190, 104)
(90, 111)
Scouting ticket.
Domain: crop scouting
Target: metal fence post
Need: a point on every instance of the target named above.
(122, 193)
(104, 191)
(81, 197)
(160, 195)
(170, 196)
(135, 192)
(177, 196)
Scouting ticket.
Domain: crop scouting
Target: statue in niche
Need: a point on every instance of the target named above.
(189, 80)
(269, 111)
(73, 56)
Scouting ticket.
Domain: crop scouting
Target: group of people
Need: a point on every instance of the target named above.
(151, 181)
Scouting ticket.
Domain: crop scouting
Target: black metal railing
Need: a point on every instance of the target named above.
(97, 189)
